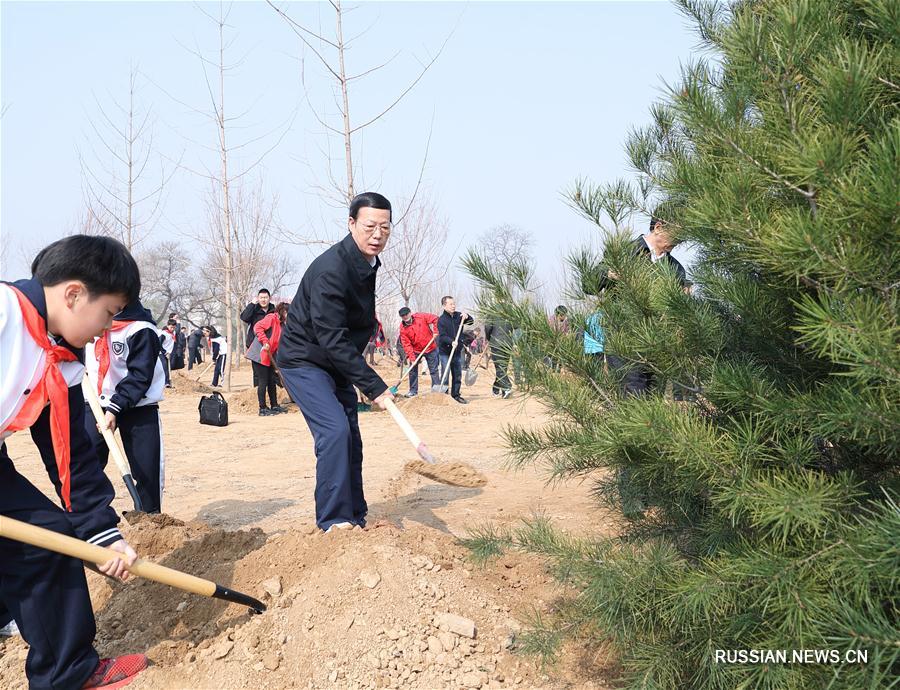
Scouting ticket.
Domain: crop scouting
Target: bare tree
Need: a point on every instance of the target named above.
(255, 258)
(506, 245)
(331, 54)
(169, 282)
(221, 232)
(415, 253)
(122, 199)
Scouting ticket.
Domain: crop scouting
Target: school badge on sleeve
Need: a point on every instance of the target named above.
(118, 348)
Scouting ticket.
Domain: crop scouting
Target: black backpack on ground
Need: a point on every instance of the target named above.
(213, 410)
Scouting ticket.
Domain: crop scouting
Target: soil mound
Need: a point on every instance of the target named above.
(452, 473)
(184, 384)
(373, 608)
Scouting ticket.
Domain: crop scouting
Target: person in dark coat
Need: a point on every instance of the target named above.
(656, 246)
(448, 327)
(254, 313)
(498, 334)
(195, 345)
(330, 322)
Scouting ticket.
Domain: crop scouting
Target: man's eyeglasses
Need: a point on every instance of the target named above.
(370, 229)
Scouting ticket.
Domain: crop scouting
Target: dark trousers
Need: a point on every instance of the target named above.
(142, 438)
(433, 362)
(265, 381)
(165, 362)
(501, 371)
(331, 414)
(455, 371)
(45, 592)
(636, 380)
(219, 369)
(194, 357)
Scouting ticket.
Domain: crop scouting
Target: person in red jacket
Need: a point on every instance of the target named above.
(417, 334)
(267, 332)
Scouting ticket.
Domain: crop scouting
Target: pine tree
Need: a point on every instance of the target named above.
(770, 517)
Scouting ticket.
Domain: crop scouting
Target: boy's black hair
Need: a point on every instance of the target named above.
(561, 310)
(369, 200)
(103, 264)
(262, 290)
(171, 322)
(404, 311)
(445, 298)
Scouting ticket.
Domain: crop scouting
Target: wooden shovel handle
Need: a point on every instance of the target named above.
(112, 441)
(409, 432)
(69, 546)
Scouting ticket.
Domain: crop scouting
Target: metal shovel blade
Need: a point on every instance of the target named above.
(471, 377)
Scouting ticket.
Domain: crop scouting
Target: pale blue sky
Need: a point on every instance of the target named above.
(525, 98)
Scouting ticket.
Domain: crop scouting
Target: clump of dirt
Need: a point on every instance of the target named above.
(247, 402)
(184, 384)
(452, 473)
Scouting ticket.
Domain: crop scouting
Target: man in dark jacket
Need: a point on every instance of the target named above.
(194, 342)
(320, 357)
(255, 312)
(499, 334)
(656, 246)
(448, 328)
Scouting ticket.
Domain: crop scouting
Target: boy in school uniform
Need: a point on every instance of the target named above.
(125, 366)
(77, 284)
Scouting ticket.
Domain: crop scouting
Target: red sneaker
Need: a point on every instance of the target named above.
(116, 673)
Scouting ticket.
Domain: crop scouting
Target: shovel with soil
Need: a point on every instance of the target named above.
(452, 473)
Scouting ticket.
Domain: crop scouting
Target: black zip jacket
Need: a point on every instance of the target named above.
(253, 314)
(447, 327)
(143, 354)
(332, 318)
(599, 279)
(498, 333)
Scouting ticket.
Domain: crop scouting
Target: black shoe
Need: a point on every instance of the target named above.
(461, 400)
(278, 409)
(266, 412)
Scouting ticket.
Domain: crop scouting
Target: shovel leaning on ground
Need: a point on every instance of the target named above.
(69, 546)
(112, 441)
(415, 363)
(471, 374)
(445, 375)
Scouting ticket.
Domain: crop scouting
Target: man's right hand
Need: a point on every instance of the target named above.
(380, 400)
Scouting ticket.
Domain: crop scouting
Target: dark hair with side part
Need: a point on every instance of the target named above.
(445, 298)
(369, 200)
(262, 290)
(103, 264)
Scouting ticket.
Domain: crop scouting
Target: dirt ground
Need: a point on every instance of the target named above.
(398, 604)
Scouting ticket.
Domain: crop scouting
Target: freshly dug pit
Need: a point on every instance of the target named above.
(452, 473)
